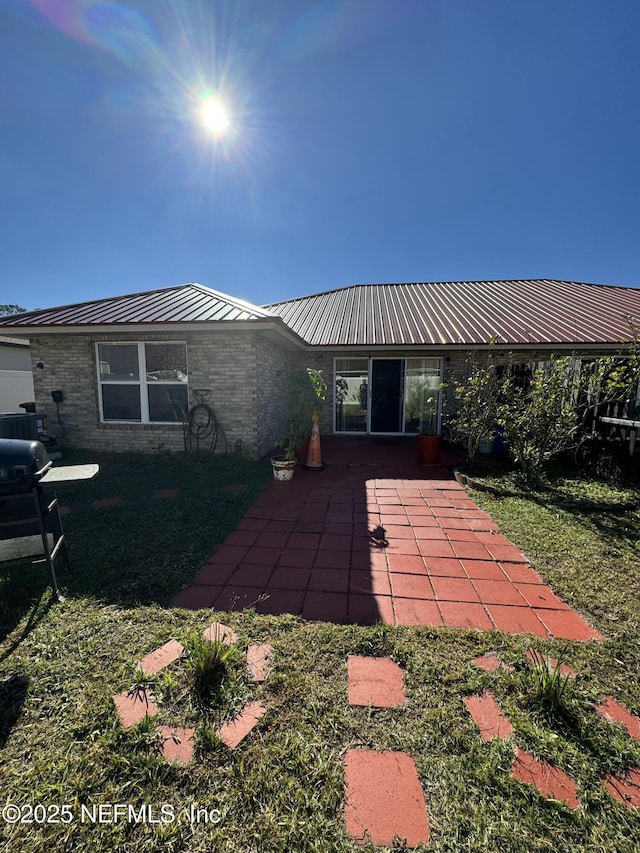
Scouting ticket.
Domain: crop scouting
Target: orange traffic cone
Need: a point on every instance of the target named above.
(314, 456)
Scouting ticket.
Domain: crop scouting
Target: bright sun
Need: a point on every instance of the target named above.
(214, 116)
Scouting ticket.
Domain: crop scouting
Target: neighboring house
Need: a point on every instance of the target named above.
(16, 378)
(130, 366)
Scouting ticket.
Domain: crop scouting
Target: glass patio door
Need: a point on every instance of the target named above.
(387, 384)
(387, 396)
(351, 394)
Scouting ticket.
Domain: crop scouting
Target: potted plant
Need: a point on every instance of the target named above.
(306, 390)
(429, 440)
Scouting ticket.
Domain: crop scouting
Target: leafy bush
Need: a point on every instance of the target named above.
(307, 389)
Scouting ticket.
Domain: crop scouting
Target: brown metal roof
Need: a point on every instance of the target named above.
(526, 311)
(185, 303)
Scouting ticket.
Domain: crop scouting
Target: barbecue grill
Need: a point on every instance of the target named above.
(22, 463)
(28, 505)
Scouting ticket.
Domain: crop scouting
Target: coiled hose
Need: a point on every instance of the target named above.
(201, 429)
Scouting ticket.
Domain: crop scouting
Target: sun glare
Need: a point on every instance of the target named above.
(214, 116)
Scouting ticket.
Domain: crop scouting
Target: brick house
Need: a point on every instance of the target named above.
(130, 366)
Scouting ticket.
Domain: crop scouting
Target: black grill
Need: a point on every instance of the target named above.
(28, 508)
(22, 464)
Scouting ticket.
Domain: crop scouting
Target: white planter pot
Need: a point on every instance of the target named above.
(283, 468)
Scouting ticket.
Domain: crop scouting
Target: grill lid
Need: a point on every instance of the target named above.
(22, 462)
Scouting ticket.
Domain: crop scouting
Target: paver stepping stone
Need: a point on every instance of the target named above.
(375, 681)
(107, 502)
(178, 743)
(259, 661)
(617, 713)
(384, 799)
(550, 781)
(166, 493)
(488, 717)
(157, 660)
(217, 631)
(626, 791)
(133, 706)
(492, 661)
(565, 670)
(234, 731)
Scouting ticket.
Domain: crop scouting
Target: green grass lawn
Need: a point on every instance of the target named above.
(282, 789)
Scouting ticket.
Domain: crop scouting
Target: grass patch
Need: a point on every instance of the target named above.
(282, 789)
(144, 549)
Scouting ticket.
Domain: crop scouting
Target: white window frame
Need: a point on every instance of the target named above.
(141, 383)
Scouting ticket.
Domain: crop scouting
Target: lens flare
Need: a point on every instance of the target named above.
(214, 116)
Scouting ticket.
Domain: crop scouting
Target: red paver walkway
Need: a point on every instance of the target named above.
(379, 541)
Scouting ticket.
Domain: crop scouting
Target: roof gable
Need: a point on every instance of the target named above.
(185, 303)
(516, 312)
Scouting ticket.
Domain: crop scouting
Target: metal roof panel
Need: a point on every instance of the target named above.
(519, 311)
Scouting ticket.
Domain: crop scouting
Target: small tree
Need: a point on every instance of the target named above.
(541, 418)
(307, 389)
(476, 402)
(6, 310)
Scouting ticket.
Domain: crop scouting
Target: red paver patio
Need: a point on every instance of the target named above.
(376, 538)
(375, 681)
(384, 799)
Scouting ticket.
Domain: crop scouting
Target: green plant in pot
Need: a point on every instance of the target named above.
(429, 439)
(306, 391)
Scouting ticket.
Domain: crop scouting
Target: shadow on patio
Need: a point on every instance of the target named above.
(377, 538)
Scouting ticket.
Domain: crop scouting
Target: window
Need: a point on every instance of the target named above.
(143, 382)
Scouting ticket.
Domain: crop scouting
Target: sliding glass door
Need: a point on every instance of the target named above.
(386, 396)
(387, 376)
(422, 394)
(351, 394)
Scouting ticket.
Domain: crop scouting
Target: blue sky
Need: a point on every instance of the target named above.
(369, 141)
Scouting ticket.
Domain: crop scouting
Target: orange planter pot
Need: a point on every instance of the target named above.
(429, 448)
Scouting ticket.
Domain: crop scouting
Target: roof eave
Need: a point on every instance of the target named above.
(274, 324)
(448, 348)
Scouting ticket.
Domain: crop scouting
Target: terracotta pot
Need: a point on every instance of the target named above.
(429, 447)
